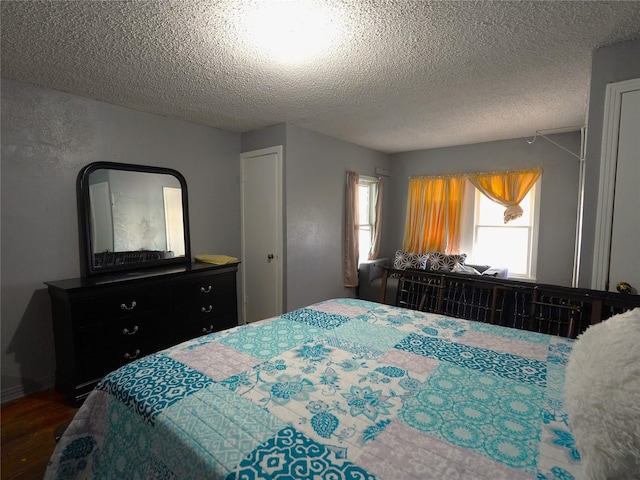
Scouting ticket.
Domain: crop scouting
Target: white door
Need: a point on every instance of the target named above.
(101, 217)
(624, 265)
(262, 251)
(616, 256)
(174, 220)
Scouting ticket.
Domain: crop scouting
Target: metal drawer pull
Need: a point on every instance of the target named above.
(124, 307)
(206, 310)
(208, 330)
(205, 290)
(127, 332)
(128, 356)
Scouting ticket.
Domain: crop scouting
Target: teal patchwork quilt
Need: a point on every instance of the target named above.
(342, 389)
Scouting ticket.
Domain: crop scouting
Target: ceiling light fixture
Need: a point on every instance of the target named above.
(290, 31)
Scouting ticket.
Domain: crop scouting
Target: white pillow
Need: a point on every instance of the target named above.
(602, 397)
(459, 268)
(497, 272)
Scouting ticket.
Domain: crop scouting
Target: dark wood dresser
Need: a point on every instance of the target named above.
(103, 322)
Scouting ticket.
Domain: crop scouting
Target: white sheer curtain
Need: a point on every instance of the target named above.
(351, 221)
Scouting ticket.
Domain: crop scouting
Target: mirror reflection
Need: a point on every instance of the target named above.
(133, 217)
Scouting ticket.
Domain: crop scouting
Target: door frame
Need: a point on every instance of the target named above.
(606, 189)
(279, 254)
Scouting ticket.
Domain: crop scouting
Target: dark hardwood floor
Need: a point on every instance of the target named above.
(28, 427)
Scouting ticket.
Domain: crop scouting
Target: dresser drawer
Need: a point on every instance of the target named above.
(205, 287)
(128, 329)
(99, 362)
(121, 304)
(206, 325)
(205, 308)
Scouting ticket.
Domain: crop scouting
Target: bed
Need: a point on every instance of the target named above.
(344, 388)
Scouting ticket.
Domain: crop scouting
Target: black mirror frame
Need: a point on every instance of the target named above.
(84, 219)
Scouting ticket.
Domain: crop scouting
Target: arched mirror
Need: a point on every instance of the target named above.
(132, 217)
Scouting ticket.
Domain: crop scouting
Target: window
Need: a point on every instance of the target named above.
(512, 245)
(367, 189)
(476, 225)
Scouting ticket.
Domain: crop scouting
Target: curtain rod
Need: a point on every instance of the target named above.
(471, 174)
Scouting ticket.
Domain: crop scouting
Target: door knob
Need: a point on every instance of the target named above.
(270, 257)
(624, 287)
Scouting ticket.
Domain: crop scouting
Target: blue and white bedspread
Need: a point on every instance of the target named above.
(343, 389)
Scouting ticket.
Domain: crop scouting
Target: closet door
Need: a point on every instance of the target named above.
(262, 234)
(624, 264)
(616, 256)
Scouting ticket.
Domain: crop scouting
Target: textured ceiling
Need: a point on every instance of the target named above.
(397, 76)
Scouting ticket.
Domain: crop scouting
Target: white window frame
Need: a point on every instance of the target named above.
(372, 184)
(470, 225)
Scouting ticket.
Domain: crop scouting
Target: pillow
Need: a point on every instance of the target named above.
(602, 397)
(496, 272)
(443, 261)
(459, 268)
(407, 260)
(479, 268)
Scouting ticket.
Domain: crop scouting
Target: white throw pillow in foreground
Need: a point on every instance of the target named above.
(602, 397)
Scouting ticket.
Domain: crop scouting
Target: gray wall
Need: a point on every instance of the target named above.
(264, 138)
(315, 168)
(315, 182)
(558, 201)
(47, 136)
(609, 65)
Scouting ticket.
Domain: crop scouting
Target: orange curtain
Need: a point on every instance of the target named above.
(434, 206)
(507, 188)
